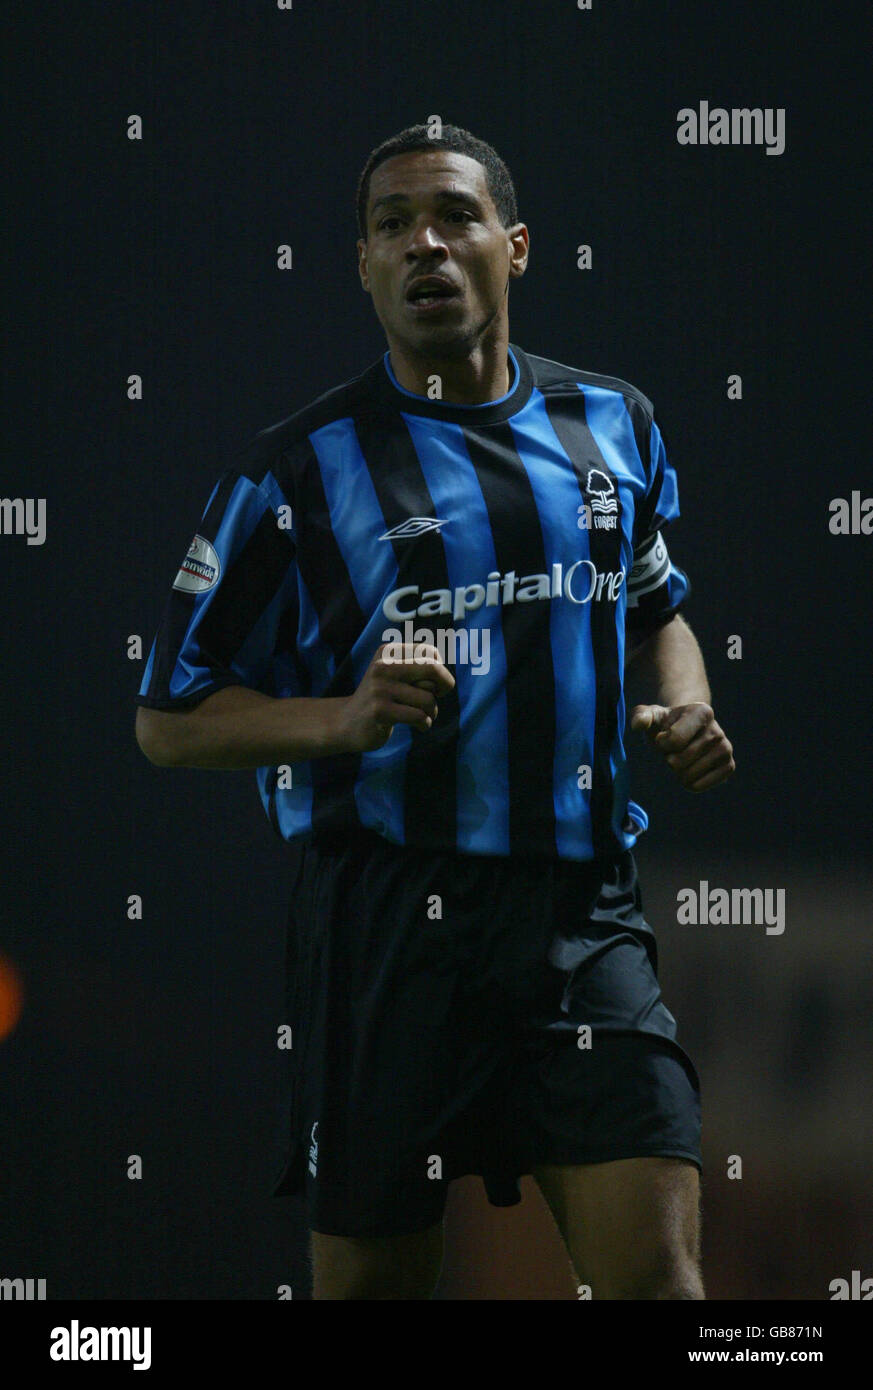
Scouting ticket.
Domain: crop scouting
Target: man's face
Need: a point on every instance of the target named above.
(430, 214)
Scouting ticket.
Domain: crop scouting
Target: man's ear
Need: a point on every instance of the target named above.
(520, 239)
(362, 265)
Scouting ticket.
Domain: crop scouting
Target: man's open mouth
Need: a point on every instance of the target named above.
(430, 291)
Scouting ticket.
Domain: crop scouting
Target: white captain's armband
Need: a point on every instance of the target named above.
(650, 568)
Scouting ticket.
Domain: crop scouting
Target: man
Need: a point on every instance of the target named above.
(410, 607)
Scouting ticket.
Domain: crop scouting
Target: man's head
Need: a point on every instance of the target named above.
(442, 208)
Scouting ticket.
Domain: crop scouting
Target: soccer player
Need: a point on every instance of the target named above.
(410, 606)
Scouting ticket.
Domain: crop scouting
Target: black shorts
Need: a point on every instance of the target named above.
(456, 1014)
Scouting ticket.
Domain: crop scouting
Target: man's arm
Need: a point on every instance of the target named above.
(668, 667)
(237, 727)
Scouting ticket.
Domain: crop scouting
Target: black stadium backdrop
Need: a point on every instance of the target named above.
(726, 281)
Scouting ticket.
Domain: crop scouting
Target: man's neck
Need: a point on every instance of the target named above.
(475, 380)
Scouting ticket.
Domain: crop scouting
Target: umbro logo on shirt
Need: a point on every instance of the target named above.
(412, 526)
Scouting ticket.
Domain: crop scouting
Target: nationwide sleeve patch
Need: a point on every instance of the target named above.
(200, 569)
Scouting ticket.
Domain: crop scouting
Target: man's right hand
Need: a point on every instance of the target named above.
(397, 691)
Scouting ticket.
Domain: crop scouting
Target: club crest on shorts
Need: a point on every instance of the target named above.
(200, 568)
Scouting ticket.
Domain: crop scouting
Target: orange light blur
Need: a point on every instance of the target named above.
(11, 997)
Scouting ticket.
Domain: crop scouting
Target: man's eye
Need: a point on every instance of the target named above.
(456, 212)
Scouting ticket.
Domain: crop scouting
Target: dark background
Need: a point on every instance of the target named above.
(159, 257)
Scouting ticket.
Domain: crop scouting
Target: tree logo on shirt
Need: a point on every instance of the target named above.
(601, 490)
(201, 568)
(604, 501)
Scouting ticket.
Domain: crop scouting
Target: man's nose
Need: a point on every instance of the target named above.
(425, 238)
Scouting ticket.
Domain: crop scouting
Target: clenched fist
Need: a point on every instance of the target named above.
(694, 745)
(395, 692)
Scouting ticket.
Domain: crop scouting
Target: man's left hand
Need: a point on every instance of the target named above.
(694, 745)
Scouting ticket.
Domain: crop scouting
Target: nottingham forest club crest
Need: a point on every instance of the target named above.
(601, 512)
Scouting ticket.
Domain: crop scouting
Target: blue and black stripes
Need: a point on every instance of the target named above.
(532, 523)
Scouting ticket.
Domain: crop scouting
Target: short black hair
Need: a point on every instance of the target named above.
(452, 137)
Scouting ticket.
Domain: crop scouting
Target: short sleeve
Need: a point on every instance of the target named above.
(656, 587)
(234, 593)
